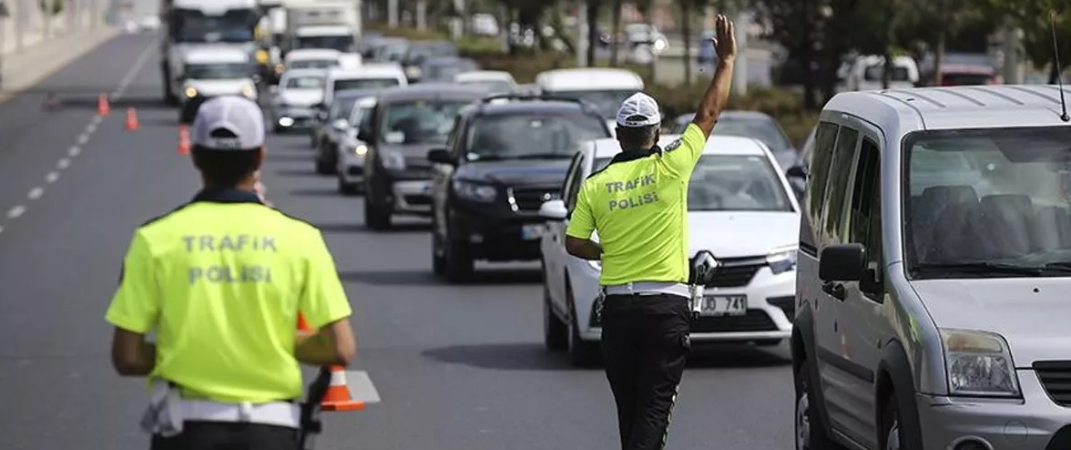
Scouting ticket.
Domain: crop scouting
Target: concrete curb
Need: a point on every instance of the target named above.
(26, 69)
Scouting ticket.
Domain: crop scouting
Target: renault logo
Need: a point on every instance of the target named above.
(547, 196)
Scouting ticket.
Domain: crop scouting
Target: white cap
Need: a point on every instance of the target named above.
(238, 115)
(639, 110)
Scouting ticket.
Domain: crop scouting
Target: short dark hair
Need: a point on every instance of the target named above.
(225, 168)
(632, 138)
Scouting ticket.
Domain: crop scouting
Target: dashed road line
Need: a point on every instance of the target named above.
(83, 139)
(35, 193)
(63, 163)
(74, 151)
(51, 177)
(91, 128)
(15, 212)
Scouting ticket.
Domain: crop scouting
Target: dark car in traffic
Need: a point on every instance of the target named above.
(443, 69)
(506, 156)
(419, 51)
(753, 124)
(405, 124)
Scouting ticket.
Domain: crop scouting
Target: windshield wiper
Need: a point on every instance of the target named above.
(984, 268)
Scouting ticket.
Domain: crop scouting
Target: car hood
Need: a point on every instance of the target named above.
(219, 87)
(529, 172)
(1021, 310)
(301, 97)
(735, 234)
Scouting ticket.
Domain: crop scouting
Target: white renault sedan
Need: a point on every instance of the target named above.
(740, 208)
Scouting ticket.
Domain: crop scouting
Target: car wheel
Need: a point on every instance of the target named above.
(375, 218)
(581, 352)
(892, 431)
(438, 259)
(809, 432)
(555, 332)
(459, 261)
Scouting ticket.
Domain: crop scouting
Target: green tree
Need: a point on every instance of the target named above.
(1037, 18)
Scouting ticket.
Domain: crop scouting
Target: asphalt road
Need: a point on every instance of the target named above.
(456, 367)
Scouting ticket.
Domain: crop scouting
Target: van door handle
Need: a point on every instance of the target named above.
(835, 289)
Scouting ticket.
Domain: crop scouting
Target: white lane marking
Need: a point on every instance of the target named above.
(83, 139)
(361, 387)
(91, 128)
(52, 177)
(97, 120)
(63, 163)
(35, 193)
(15, 212)
(133, 73)
(74, 151)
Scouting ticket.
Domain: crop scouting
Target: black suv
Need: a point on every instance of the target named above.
(506, 155)
(405, 124)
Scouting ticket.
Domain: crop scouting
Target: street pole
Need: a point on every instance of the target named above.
(581, 35)
(1013, 73)
(421, 15)
(392, 13)
(4, 13)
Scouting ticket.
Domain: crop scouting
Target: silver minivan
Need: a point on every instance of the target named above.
(933, 302)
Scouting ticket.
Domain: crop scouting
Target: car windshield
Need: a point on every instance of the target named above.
(732, 183)
(964, 79)
(305, 82)
(762, 128)
(342, 107)
(447, 70)
(344, 44)
(608, 102)
(391, 52)
(977, 201)
(365, 83)
(420, 121)
(313, 64)
(520, 136)
(218, 71)
(432, 50)
(189, 26)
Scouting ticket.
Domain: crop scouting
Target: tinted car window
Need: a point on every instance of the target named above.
(607, 101)
(342, 107)
(732, 183)
(531, 136)
(420, 121)
(447, 70)
(365, 83)
(305, 83)
(344, 44)
(313, 64)
(218, 71)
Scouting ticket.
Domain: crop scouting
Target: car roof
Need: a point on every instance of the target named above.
(484, 75)
(367, 71)
(431, 90)
(312, 53)
(528, 106)
(216, 55)
(588, 79)
(716, 145)
(902, 111)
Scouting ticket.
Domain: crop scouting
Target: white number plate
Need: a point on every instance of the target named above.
(529, 232)
(724, 305)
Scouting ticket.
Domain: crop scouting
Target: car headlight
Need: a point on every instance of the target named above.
(393, 161)
(191, 92)
(979, 364)
(782, 260)
(467, 190)
(360, 150)
(249, 92)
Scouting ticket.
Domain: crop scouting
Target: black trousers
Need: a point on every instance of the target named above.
(229, 436)
(645, 346)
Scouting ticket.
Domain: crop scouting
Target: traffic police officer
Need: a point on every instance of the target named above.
(638, 205)
(221, 280)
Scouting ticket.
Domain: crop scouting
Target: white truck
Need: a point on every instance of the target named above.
(323, 24)
(189, 24)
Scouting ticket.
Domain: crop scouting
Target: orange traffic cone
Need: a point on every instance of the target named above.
(102, 105)
(131, 119)
(338, 396)
(184, 140)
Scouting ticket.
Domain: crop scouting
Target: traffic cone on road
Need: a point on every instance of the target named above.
(184, 140)
(131, 119)
(102, 105)
(338, 396)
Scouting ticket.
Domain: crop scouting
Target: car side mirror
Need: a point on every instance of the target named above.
(341, 125)
(365, 135)
(553, 210)
(796, 172)
(703, 267)
(842, 262)
(440, 156)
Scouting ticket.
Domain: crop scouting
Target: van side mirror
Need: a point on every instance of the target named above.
(365, 135)
(703, 267)
(842, 262)
(796, 172)
(553, 210)
(440, 156)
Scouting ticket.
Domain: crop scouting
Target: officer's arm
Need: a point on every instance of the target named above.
(717, 94)
(581, 226)
(132, 355)
(324, 304)
(133, 312)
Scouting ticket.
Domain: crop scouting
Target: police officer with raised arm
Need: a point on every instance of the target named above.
(637, 204)
(221, 280)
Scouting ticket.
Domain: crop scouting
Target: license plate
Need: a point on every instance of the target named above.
(724, 305)
(529, 232)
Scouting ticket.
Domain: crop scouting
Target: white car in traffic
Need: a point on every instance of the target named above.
(740, 208)
(295, 98)
(496, 81)
(352, 151)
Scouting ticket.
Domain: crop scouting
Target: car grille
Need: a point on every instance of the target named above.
(736, 272)
(418, 200)
(530, 199)
(754, 320)
(1055, 376)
